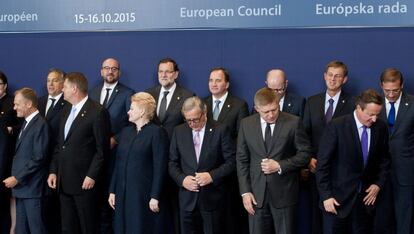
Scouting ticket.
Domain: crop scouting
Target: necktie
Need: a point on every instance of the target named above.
(105, 102)
(364, 145)
(51, 105)
(22, 128)
(268, 137)
(329, 111)
(163, 106)
(197, 143)
(216, 110)
(391, 117)
(69, 121)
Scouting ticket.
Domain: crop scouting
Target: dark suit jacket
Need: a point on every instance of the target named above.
(7, 118)
(83, 151)
(118, 105)
(53, 116)
(216, 157)
(233, 111)
(340, 169)
(402, 141)
(173, 115)
(30, 160)
(294, 104)
(314, 116)
(290, 147)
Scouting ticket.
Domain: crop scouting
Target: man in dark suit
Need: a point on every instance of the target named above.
(78, 160)
(224, 108)
(201, 159)
(353, 161)
(169, 95)
(30, 167)
(398, 112)
(170, 98)
(271, 148)
(116, 98)
(50, 107)
(319, 110)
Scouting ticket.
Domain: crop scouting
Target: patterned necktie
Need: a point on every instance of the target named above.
(69, 121)
(105, 102)
(51, 106)
(163, 106)
(329, 111)
(391, 117)
(268, 137)
(364, 145)
(197, 143)
(216, 110)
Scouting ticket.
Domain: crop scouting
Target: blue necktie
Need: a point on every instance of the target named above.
(216, 110)
(391, 117)
(364, 145)
(70, 120)
(329, 111)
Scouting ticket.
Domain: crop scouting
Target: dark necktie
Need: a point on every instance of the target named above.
(51, 106)
(268, 137)
(216, 110)
(364, 145)
(22, 128)
(329, 111)
(391, 117)
(163, 106)
(105, 102)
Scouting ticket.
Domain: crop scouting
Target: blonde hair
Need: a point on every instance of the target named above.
(145, 101)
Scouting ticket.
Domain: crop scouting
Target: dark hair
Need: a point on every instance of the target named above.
(58, 71)
(169, 60)
(225, 72)
(28, 94)
(79, 80)
(391, 75)
(369, 96)
(336, 64)
(3, 77)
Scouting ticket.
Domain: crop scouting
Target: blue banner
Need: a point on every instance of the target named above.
(132, 15)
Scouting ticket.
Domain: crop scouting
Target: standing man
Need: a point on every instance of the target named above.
(353, 161)
(30, 164)
(201, 159)
(289, 102)
(272, 146)
(116, 98)
(170, 98)
(398, 112)
(320, 109)
(224, 108)
(77, 165)
(50, 107)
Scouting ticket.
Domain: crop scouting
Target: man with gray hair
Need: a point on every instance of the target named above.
(201, 159)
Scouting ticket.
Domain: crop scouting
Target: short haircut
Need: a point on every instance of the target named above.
(79, 80)
(145, 101)
(337, 64)
(369, 96)
(193, 102)
(28, 94)
(3, 77)
(266, 96)
(391, 75)
(169, 60)
(225, 72)
(116, 60)
(57, 71)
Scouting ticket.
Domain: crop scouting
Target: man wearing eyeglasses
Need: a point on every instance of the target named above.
(201, 159)
(320, 109)
(398, 112)
(272, 146)
(116, 98)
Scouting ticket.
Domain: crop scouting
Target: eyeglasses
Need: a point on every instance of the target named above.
(279, 90)
(113, 69)
(393, 91)
(2, 83)
(167, 72)
(194, 121)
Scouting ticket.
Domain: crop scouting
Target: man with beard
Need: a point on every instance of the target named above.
(116, 98)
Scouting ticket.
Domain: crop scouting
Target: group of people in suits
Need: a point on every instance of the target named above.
(167, 161)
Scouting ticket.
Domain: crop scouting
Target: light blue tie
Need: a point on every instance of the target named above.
(216, 110)
(70, 121)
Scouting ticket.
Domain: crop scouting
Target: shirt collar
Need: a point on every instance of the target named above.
(171, 90)
(31, 116)
(57, 97)
(335, 98)
(109, 86)
(222, 99)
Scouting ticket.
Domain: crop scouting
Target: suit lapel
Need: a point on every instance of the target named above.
(321, 107)
(374, 140)
(206, 144)
(225, 109)
(113, 96)
(26, 130)
(53, 110)
(287, 103)
(188, 138)
(257, 132)
(402, 110)
(175, 99)
(340, 105)
(276, 131)
(81, 115)
(356, 140)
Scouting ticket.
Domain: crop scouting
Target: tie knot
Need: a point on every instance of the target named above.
(217, 102)
(331, 101)
(73, 109)
(364, 128)
(166, 93)
(108, 89)
(52, 99)
(392, 104)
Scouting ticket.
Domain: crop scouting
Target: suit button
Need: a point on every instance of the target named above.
(63, 147)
